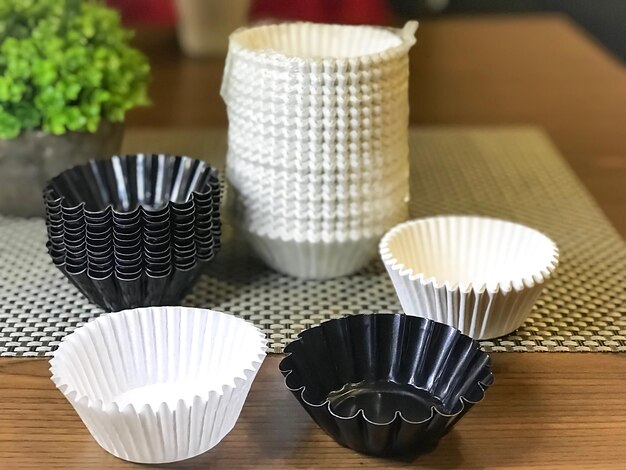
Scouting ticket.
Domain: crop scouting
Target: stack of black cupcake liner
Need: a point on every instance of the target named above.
(134, 230)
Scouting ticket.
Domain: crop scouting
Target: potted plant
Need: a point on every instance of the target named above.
(67, 77)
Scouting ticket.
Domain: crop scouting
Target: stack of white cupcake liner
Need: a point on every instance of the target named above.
(317, 163)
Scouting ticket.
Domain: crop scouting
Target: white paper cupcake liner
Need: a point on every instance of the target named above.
(161, 384)
(330, 111)
(312, 260)
(303, 48)
(348, 161)
(312, 215)
(357, 176)
(322, 167)
(360, 213)
(296, 103)
(368, 193)
(296, 109)
(317, 110)
(319, 232)
(305, 88)
(329, 171)
(289, 85)
(310, 41)
(325, 230)
(299, 102)
(365, 197)
(477, 274)
(267, 103)
(355, 123)
(289, 72)
(330, 190)
(313, 219)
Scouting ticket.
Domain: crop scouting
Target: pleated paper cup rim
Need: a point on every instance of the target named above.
(403, 38)
(321, 218)
(237, 378)
(271, 60)
(288, 228)
(519, 283)
(311, 236)
(367, 177)
(483, 385)
(373, 205)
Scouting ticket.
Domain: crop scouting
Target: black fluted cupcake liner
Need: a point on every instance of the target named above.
(114, 287)
(133, 278)
(99, 230)
(102, 234)
(136, 230)
(125, 183)
(386, 384)
(157, 228)
(102, 237)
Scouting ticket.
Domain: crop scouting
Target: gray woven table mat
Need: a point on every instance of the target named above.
(508, 173)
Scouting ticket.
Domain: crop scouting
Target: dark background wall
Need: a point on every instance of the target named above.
(604, 19)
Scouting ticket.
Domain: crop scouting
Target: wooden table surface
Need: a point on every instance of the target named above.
(545, 410)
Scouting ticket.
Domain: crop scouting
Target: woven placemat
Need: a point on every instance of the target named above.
(508, 173)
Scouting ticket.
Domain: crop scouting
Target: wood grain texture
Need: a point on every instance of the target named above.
(544, 411)
(540, 70)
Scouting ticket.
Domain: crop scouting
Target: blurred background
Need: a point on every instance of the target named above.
(604, 19)
(554, 64)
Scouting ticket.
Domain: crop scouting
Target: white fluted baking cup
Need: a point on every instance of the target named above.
(331, 111)
(289, 194)
(248, 176)
(329, 172)
(159, 384)
(351, 215)
(284, 230)
(297, 49)
(295, 107)
(324, 167)
(297, 102)
(312, 260)
(291, 87)
(380, 122)
(354, 211)
(316, 47)
(324, 230)
(477, 274)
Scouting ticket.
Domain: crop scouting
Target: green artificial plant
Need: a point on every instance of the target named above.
(66, 65)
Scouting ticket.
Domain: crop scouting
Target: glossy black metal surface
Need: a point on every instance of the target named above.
(386, 384)
(125, 183)
(134, 231)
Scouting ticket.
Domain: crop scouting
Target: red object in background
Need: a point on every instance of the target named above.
(145, 11)
(322, 11)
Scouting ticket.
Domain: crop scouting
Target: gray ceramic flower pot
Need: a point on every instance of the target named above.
(31, 159)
